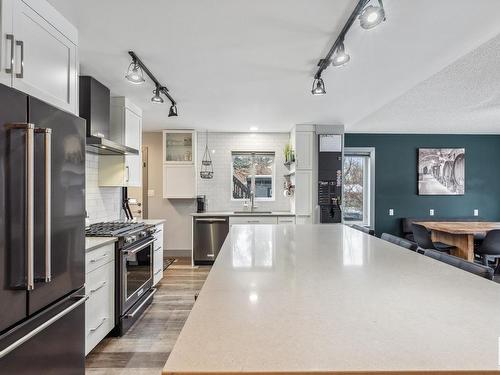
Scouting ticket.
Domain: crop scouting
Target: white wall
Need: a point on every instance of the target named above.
(218, 189)
(177, 229)
(102, 203)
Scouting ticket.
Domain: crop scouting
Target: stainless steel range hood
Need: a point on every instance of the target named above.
(95, 108)
(103, 146)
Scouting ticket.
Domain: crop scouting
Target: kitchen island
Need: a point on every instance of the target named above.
(328, 298)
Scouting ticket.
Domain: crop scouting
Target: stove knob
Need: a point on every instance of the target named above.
(128, 239)
(143, 233)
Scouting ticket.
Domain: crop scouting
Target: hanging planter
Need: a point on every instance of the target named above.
(207, 168)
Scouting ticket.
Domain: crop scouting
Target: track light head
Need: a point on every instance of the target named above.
(341, 57)
(173, 111)
(157, 99)
(372, 16)
(134, 73)
(318, 87)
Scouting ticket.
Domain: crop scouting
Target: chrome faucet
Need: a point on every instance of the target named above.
(252, 201)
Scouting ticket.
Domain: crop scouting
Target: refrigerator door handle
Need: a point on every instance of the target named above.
(47, 134)
(41, 327)
(30, 200)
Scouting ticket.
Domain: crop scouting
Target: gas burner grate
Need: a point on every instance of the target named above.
(111, 229)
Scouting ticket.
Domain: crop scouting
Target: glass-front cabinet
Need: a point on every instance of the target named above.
(178, 146)
(179, 164)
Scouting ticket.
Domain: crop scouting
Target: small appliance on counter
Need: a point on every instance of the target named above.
(201, 203)
(133, 271)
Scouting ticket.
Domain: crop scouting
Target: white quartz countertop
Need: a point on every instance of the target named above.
(153, 221)
(92, 243)
(232, 213)
(328, 298)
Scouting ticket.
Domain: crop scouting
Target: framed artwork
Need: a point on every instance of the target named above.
(441, 171)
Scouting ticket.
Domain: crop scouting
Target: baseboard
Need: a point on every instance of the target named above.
(177, 253)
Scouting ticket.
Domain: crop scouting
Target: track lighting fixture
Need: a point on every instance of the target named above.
(173, 111)
(157, 98)
(369, 17)
(135, 75)
(372, 16)
(318, 87)
(341, 57)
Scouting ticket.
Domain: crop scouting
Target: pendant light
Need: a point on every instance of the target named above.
(341, 57)
(157, 99)
(173, 111)
(207, 168)
(372, 16)
(134, 73)
(318, 87)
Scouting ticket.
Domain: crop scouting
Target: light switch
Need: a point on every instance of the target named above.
(391, 211)
(476, 212)
(431, 212)
(151, 193)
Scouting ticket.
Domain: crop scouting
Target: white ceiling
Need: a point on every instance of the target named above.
(233, 64)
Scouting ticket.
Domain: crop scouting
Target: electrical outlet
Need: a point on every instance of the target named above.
(431, 212)
(476, 212)
(391, 211)
(151, 193)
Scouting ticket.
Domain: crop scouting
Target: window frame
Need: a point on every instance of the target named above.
(273, 175)
(369, 177)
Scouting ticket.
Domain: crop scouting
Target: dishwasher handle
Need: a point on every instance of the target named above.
(211, 219)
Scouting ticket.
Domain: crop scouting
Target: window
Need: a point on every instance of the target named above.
(252, 171)
(359, 186)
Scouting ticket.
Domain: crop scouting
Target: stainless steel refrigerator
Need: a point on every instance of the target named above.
(42, 240)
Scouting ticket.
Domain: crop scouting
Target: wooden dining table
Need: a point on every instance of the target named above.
(459, 234)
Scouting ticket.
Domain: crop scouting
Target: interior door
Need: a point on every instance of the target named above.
(45, 60)
(13, 222)
(66, 200)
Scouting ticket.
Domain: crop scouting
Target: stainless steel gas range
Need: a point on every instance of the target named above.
(133, 270)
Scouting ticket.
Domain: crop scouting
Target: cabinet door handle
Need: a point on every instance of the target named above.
(10, 38)
(94, 260)
(128, 173)
(20, 43)
(211, 255)
(99, 287)
(98, 326)
(157, 272)
(253, 221)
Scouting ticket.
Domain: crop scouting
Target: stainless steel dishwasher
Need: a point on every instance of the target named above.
(208, 236)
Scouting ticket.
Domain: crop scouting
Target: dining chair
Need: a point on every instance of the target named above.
(366, 230)
(424, 240)
(477, 269)
(489, 250)
(399, 241)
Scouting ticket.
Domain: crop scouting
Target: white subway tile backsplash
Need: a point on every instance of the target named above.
(218, 189)
(102, 203)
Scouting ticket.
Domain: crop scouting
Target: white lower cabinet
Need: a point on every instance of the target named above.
(100, 288)
(253, 220)
(158, 255)
(286, 219)
(303, 219)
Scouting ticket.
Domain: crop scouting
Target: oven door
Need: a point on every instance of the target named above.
(137, 272)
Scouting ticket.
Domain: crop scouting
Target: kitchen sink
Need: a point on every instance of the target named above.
(252, 213)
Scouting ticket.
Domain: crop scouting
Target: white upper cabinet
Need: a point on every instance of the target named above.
(39, 53)
(304, 149)
(126, 129)
(179, 164)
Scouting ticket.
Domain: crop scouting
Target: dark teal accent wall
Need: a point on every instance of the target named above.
(396, 177)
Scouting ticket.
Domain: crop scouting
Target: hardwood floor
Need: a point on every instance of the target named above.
(144, 349)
